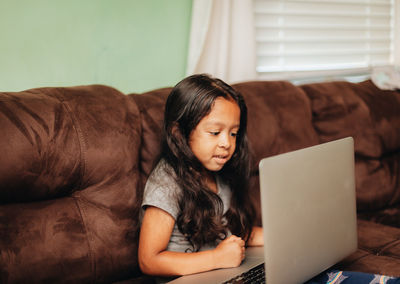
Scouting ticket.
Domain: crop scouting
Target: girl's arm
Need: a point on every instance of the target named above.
(156, 229)
(256, 237)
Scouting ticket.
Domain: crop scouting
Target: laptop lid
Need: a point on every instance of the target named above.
(308, 210)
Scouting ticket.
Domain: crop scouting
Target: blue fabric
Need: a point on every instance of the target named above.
(350, 277)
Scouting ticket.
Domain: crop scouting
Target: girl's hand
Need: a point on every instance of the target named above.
(230, 252)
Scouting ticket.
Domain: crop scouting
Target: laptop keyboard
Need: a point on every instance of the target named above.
(254, 275)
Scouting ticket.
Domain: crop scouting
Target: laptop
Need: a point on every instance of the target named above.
(309, 217)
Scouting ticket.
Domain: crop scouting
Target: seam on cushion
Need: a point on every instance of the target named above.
(141, 119)
(369, 250)
(81, 139)
(308, 102)
(91, 254)
(371, 253)
(383, 252)
(140, 132)
(368, 253)
(82, 148)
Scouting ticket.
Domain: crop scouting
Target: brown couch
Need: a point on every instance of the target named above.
(73, 162)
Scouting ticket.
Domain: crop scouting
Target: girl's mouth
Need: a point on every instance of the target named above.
(221, 159)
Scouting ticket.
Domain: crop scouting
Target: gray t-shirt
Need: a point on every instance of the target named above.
(162, 191)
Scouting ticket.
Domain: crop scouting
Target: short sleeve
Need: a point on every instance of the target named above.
(162, 191)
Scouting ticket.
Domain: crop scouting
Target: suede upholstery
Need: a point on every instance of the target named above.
(67, 177)
(73, 163)
(372, 117)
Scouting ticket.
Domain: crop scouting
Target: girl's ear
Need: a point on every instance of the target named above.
(175, 131)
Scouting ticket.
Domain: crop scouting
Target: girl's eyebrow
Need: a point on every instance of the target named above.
(217, 123)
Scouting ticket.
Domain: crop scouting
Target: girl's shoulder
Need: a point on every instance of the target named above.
(162, 177)
(161, 190)
(162, 171)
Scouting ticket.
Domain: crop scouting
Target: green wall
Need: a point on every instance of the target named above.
(132, 45)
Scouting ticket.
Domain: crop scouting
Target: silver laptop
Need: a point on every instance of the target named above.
(308, 213)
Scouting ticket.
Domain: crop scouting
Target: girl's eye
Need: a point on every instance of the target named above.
(233, 134)
(215, 133)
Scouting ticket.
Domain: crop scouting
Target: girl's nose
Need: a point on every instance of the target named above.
(224, 141)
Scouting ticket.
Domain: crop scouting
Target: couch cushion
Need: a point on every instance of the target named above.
(377, 182)
(68, 203)
(378, 250)
(371, 117)
(389, 216)
(368, 114)
(151, 106)
(40, 151)
(279, 118)
(44, 242)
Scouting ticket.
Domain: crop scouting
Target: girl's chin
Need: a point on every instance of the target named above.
(215, 167)
(215, 164)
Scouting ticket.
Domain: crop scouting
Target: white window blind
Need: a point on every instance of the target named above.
(315, 35)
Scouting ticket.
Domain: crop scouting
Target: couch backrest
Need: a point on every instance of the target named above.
(68, 174)
(151, 106)
(279, 118)
(372, 117)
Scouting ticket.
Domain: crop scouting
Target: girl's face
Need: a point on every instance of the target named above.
(213, 141)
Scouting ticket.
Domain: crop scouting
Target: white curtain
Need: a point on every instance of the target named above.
(222, 40)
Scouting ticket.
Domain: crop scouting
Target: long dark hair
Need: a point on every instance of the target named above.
(201, 219)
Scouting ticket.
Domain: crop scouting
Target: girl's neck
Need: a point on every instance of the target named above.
(210, 181)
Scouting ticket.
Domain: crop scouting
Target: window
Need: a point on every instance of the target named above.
(317, 37)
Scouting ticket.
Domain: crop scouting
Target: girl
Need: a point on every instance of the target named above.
(198, 214)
